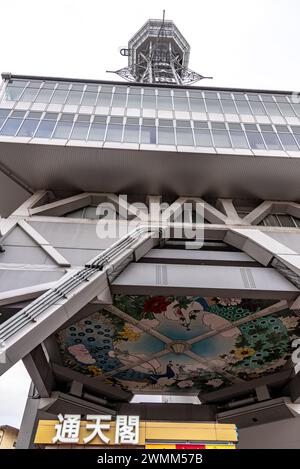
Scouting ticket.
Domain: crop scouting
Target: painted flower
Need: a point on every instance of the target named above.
(215, 382)
(229, 301)
(149, 323)
(130, 333)
(290, 322)
(244, 352)
(156, 305)
(185, 384)
(95, 370)
(81, 354)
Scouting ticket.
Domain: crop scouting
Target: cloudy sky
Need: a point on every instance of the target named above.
(249, 43)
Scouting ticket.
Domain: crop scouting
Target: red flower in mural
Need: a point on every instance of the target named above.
(156, 305)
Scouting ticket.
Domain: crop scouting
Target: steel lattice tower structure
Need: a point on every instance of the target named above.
(158, 53)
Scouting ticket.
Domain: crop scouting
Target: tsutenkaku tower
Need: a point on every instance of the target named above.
(158, 53)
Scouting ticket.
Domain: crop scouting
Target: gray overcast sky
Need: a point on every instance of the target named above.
(250, 43)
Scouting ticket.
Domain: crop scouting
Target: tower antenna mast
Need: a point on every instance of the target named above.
(158, 53)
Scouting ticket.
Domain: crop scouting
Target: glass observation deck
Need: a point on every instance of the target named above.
(207, 120)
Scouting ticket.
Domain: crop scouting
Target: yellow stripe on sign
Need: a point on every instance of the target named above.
(160, 446)
(219, 446)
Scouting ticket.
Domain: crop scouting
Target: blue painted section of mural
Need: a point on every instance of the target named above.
(198, 348)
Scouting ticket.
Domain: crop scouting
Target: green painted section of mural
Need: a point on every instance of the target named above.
(179, 344)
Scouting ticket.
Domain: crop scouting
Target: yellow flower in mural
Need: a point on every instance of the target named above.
(127, 333)
(95, 370)
(244, 352)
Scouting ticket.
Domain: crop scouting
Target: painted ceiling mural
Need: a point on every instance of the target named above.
(185, 344)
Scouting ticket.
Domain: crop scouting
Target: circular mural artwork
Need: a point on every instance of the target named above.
(130, 344)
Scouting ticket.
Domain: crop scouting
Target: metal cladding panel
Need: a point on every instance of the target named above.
(78, 256)
(25, 255)
(18, 237)
(291, 240)
(72, 235)
(123, 170)
(14, 279)
(209, 279)
(17, 195)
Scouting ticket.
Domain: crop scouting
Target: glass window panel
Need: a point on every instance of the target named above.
(238, 139)
(114, 132)
(134, 101)
(4, 112)
(149, 102)
(80, 130)
(91, 213)
(266, 127)
(272, 141)
(49, 85)
(253, 97)
(296, 129)
(286, 220)
(51, 115)
(104, 99)
(132, 120)
(131, 133)
(165, 123)
(29, 94)
(2, 120)
(255, 141)
(84, 118)
(288, 141)
(297, 137)
(63, 86)
(183, 123)
(44, 96)
(67, 117)
(221, 138)
(116, 120)
(3, 115)
(164, 102)
(234, 126)
(203, 138)
(200, 124)
(45, 129)
(100, 119)
(296, 107)
(213, 105)
(180, 93)
(12, 93)
(148, 134)
(197, 105)
(97, 132)
(119, 100)
(271, 220)
(62, 129)
(59, 96)
(218, 125)
(74, 97)
(166, 136)
(181, 104)
(77, 87)
(286, 109)
(258, 108)
(28, 128)
(243, 107)
(272, 109)
(11, 126)
(184, 136)
(228, 106)
(211, 94)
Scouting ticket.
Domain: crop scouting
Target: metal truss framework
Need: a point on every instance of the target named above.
(82, 290)
(158, 53)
